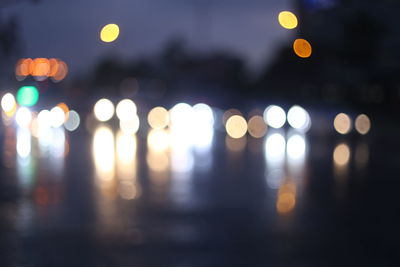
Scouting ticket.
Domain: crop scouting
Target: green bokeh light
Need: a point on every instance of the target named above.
(27, 96)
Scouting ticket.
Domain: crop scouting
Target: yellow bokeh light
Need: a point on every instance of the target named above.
(342, 123)
(302, 48)
(363, 124)
(287, 20)
(236, 126)
(109, 33)
(257, 126)
(341, 155)
(158, 118)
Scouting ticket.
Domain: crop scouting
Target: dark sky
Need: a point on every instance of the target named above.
(69, 29)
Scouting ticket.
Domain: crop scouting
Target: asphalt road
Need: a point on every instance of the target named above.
(103, 198)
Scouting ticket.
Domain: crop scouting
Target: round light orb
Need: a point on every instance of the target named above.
(23, 117)
(302, 48)
(341, 155)
(181, 115)
(257, 126)
(130, 126)
(299, 118)
(109, 33)
(8, 103)
(158, 118)
(236, 126)
(44, 119)
(287, 20)
(126, 109)
(57, 117)
(342, 123)
(362, 124)
(203, 114)
(27, 96)
(275, 116)
(103, 110)
(73, 121)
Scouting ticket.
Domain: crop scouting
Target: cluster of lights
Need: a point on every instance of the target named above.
(126, 112)
(301, 47)
(274, 116)
(41, 69)
(19, 110)
(343, 124)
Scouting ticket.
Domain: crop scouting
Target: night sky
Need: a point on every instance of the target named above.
(70, 29)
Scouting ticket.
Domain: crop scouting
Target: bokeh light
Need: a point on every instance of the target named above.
(73, 121)
(60, 72)
(236, 126)
(27, 96)
(203, 115)
(287, 20)
(181, 116)
(40, 69)
(57, 117)
(23, 68)
(341, 155)
(23, 117)
(302, 48)
(286, 198)
(109, 33)
(342, 123)
(299, 118)
(275, 116)
(229, 113)
(65, 108)
(44, 119)
(158, 140)
(103, 110)
(257, 126)
(275, 146)
(104, 153)
(130, 125)
(8, 103)
(158, 118)
(296, 147)
(126, 109)
(362, 124)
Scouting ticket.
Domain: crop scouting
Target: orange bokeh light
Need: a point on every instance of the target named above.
(41, 67)
(302, 48)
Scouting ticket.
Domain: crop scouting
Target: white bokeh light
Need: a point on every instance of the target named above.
(275, 116)
(8, 102)
(57, 117)
(103, 110)
(126, 109)
(299, 118)
(23, 117)
(296, 147)
(44, 119)
(275, 147)
(73, 121)
(181, 116)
